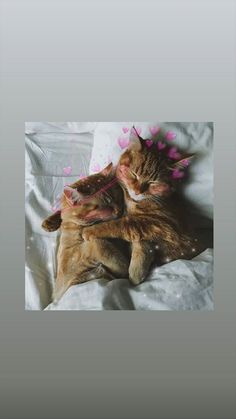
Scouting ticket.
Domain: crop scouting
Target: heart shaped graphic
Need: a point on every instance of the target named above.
(125, 130)
(154, 130)
(123, 142)
(173, 154)
(185, 162)
(177, 174)
(96, 167)
(176, 156)
(170, 135)
(136, 131)
(148, 143)
(67, 170)
(160, 145)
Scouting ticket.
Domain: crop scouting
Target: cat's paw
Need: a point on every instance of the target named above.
(88, 234)
(136, 277)
(49, 225)
(53, 222)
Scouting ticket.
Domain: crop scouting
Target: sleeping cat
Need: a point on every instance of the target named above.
(82, 204)
(154, 220)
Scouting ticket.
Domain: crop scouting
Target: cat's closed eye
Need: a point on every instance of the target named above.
(158, 188)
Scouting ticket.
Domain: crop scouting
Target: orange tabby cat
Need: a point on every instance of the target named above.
(84, 203)
(154, 220)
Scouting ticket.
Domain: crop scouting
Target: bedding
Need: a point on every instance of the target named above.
(60, 153)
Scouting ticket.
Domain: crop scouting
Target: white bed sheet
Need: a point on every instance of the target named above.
(59, 153)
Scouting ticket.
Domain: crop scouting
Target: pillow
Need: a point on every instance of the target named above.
(112, 138)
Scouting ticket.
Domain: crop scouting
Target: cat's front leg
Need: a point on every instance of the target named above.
(141, 260)
(109, 229)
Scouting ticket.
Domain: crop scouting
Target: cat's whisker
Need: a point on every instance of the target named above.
(157, 199)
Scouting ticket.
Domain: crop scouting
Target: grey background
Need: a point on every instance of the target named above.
(117, 60)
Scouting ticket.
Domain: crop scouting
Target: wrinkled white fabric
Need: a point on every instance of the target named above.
(179, 285)
(59, 153)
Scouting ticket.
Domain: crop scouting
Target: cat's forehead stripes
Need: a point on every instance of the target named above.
(147, 166)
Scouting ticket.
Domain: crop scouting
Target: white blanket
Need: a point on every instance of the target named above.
(60, 153)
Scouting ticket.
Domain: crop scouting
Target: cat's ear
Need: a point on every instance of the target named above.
(72, 194)
(184, 161)
(136, 142)
(107, 170)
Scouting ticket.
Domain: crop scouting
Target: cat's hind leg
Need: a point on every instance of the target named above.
(112, 258)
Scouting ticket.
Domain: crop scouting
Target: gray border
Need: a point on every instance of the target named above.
(74, 60)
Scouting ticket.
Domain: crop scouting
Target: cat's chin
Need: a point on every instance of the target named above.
(137, 198)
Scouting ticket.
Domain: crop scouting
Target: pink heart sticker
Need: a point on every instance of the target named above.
(96, 167)
(148, 143)
(125, 130)
(67, 170)
(123, 142)
(185, 162)
(160, 145)
(154, 130)
(177, 174)
(176, 156)
(170, 135)
(173, 154)
(136, 131)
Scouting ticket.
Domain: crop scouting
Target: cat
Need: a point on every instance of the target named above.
(154, 220)
(84, 203)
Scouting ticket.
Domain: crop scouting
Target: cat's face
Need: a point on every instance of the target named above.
(146, 172)
(86, 210)
(84, 203)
